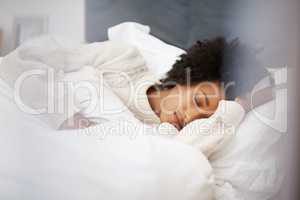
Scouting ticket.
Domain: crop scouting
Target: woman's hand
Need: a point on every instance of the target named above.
(78, 121)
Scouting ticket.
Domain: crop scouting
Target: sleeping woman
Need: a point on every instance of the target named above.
(210, 71)
(209, 86)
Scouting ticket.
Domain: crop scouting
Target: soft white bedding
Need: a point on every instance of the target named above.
(250, 167)
(44, 164)
(38, 163)
(132, 162)
(159, 55)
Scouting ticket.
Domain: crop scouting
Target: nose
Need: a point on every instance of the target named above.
(190, 114)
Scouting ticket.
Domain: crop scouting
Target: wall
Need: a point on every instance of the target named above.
(167, 18)
(65, 18)
(267, 25)
(272, 26)
(179, 22)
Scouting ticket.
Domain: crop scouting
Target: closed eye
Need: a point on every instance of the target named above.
(198, 99)
(206, 98)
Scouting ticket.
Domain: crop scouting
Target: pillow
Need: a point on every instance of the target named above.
(251, 164)
(159, 55)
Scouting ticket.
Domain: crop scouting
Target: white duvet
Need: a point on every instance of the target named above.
(38, 163)
(41, 164)
(117, 159)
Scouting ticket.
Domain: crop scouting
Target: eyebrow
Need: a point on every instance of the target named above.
(206, 98)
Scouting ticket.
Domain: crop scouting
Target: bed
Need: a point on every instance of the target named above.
(39, 163)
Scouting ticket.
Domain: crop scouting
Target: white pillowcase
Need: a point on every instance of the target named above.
(159, 55)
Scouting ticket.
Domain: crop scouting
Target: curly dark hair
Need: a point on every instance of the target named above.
(217, 60)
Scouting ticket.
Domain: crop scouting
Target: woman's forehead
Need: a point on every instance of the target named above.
(207, 85)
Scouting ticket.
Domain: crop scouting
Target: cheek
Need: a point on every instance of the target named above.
(214, 104)
(169, 104)
(193, 112)
(163, 117)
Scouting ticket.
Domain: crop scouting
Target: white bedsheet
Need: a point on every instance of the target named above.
(37, 163)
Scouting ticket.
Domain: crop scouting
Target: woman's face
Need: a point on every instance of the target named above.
(183, 104)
